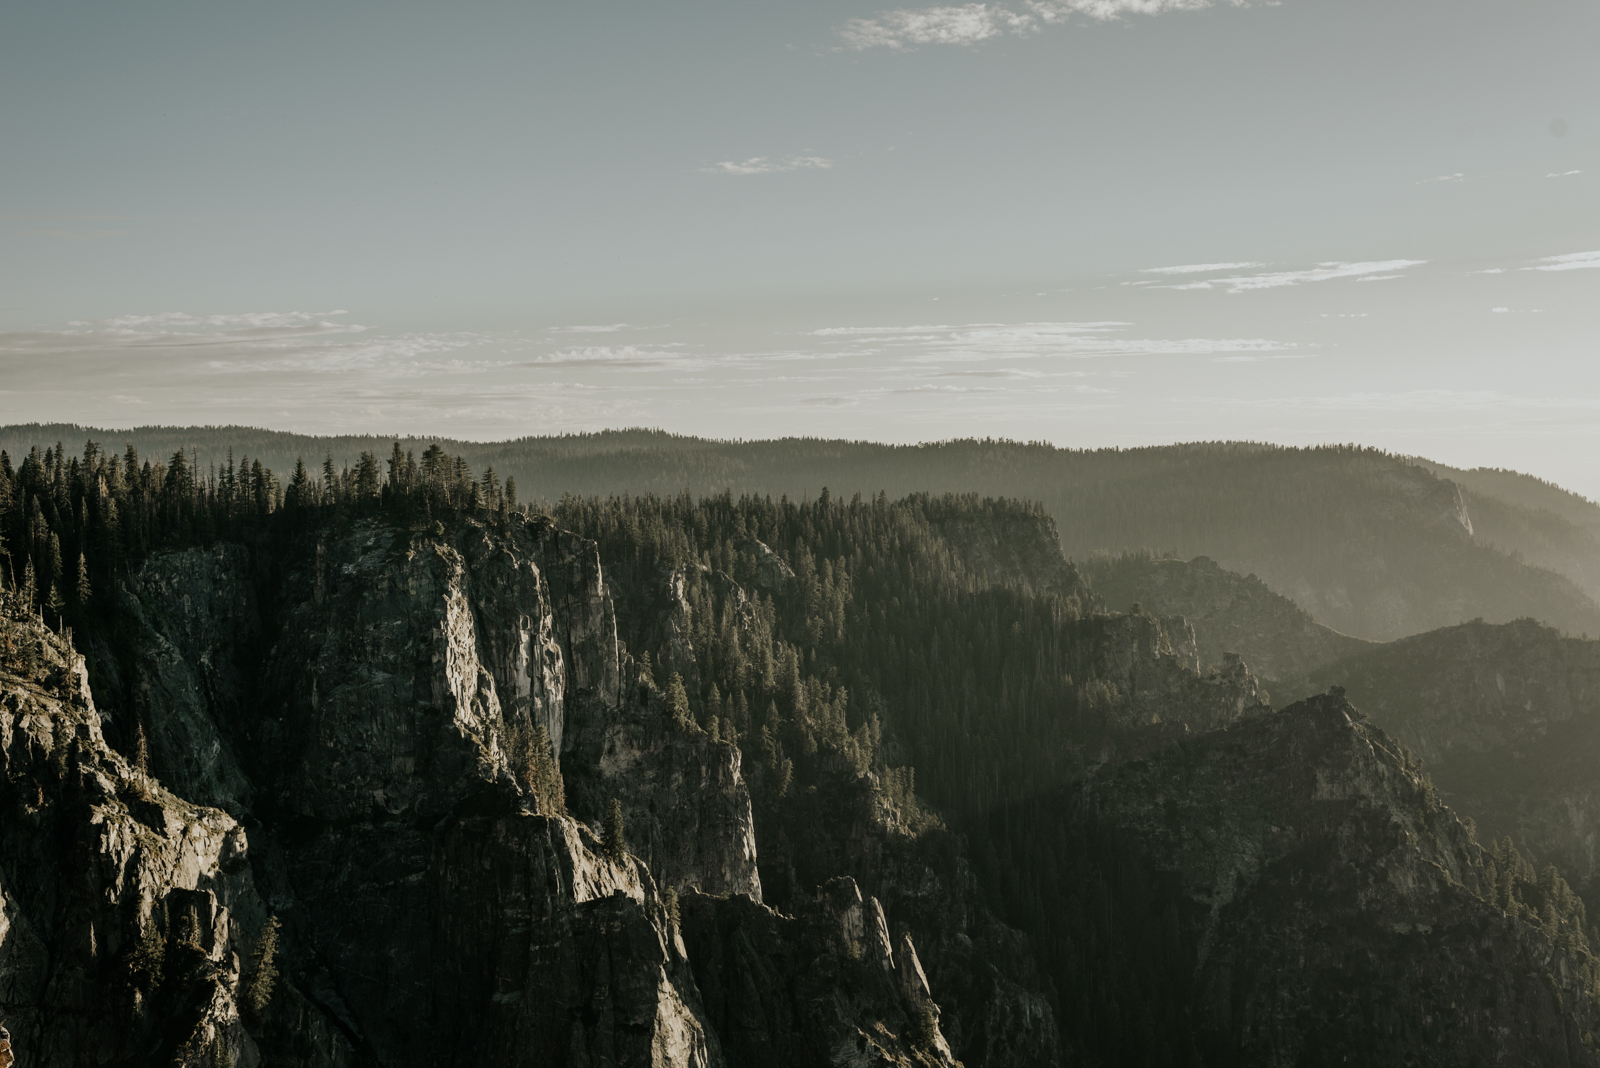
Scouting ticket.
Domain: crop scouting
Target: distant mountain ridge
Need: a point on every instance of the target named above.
(1372, 544)
(1230, 614)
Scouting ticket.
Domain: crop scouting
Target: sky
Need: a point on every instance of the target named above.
(1092, 222)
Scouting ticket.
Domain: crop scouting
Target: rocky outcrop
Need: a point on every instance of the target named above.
(1327, 908)
(1149, 672)
(1230, 614)
(770, 573)
(365, 701)
(1507, 720)
(408, 675)
(196, 618)
(125, 911)
(821, 987)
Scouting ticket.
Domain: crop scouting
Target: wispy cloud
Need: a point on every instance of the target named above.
(249, 342)
(769, 165)
(1457, 177)
(910, 27)
(1572, 261)
(978, 342)
(968, 24)
(1201, 268)
(1373, 270)
(610, 328)
(1563, 174)
(615, 356)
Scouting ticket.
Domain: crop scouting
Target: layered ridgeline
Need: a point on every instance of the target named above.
(699, 782)
(1506, 717)
(1374, 545)
(1231, 614)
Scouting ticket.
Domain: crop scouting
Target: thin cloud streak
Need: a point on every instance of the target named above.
(770, 165)
(979, 342)
(1322, 272)
(1572, 261)
(1201, 268)
(969, 24)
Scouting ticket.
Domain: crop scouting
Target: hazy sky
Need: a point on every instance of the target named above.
(1089, 221)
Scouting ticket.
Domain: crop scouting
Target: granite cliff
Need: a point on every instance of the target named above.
(704, 784)
(353, 712)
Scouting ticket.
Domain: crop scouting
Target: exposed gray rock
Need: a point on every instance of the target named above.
(195, 614)
(1507, 720)
(771, 573)
(95, 855)
(816, 988)
(1153, 666)
(1229, 613)
(1327, 900)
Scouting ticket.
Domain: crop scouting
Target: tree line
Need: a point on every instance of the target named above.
(70, 522)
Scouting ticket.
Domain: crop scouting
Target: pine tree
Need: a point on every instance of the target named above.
(615, 843)
(189, 934)
(54, 604)
(146, 959)
(544, 775)
(83, 581)
(397, 467)
(263, 969)
(57, 571)
(299, 492)
(678, 704)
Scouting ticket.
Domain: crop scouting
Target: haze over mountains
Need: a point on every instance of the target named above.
(798, 752)
(1373, 545)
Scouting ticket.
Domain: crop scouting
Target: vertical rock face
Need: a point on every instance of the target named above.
(196, 616)
(124, 909)
(366, 701)
(405, 684)
(822, 987)
(1154, 665)
(684, 795)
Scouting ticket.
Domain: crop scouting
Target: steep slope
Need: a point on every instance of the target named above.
(125, 911)
(1288, 891)
(862, 782)
(437, 904)
(1507, 719)
(1230, 614)
(1541, 537)
(1520, 490)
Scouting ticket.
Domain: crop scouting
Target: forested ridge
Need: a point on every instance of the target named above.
(69, 522)
(1371, 543)
(934, 654)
